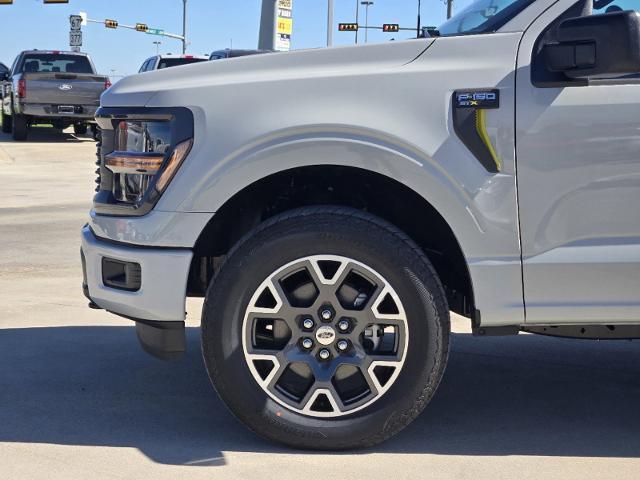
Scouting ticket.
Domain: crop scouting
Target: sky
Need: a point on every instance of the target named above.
(212, 25)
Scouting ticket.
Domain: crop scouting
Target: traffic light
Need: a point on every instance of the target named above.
(111, 23)
(390, 27)
(348, 27)
(141, 27)
(6, 2)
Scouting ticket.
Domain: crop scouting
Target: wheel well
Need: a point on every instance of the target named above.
(335, 185)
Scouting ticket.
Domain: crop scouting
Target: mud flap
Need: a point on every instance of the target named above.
(163, 340)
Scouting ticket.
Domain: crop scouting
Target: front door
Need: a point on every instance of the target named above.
(578, 169)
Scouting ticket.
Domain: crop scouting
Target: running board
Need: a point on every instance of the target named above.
(590, 332)
(498, 331)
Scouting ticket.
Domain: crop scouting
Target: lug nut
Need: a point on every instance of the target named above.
(343, 325)
(307, 343)
(326, 314)
(324, 354)
(308, 323)
(342, 345)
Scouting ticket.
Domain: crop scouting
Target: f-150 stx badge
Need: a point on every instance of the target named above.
(485, 99)
(470, 124)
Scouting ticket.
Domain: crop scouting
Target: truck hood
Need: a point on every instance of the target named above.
(143, 89)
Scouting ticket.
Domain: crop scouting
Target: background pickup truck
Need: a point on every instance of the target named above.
(60, 88)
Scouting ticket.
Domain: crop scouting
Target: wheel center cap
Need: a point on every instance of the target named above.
(325, 335)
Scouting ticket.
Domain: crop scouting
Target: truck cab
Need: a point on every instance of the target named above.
(333, 206)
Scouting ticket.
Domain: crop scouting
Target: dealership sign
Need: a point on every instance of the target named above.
(284, 26)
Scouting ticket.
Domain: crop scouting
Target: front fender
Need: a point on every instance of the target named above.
(478, 206)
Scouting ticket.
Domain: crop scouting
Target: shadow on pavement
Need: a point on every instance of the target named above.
(521, 395)
(48, 135)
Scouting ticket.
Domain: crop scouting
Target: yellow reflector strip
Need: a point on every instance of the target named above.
(481, 127)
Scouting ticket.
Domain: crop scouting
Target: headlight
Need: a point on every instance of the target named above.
(143, 156)
(141, 150)
(139, 153)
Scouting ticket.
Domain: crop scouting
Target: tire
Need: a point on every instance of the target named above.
(80, 128)
(375, 255)
(97, 133)
(20, 127)
(6, 123)
(59, 125)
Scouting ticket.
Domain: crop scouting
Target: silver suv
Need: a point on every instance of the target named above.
(334, 205)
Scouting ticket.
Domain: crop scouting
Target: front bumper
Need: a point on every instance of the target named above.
(163, 286)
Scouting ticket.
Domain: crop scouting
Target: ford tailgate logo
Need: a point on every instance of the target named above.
(65, 87)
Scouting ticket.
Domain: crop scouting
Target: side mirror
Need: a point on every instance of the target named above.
(596, 45)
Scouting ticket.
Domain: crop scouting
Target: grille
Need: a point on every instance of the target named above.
(98, 162)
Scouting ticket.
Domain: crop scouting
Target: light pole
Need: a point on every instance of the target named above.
(184, 26)
(157, 43)
(449, 8)
(367, 4)
(329, 23)
(418, 29)
(357, 17)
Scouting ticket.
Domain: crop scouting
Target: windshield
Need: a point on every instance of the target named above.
(482, 16)
(51, 62)
(609, 6)
(174, 62)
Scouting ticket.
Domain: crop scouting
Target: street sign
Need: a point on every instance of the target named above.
(75, 38)
(155, 31)
(76, 22)
(83, 15)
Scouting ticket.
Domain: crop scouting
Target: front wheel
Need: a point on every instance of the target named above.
(326, 328)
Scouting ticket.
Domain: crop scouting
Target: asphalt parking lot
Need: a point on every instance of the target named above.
(79, 398)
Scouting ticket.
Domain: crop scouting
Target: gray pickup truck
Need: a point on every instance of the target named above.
(60, 88)
(334, 205)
